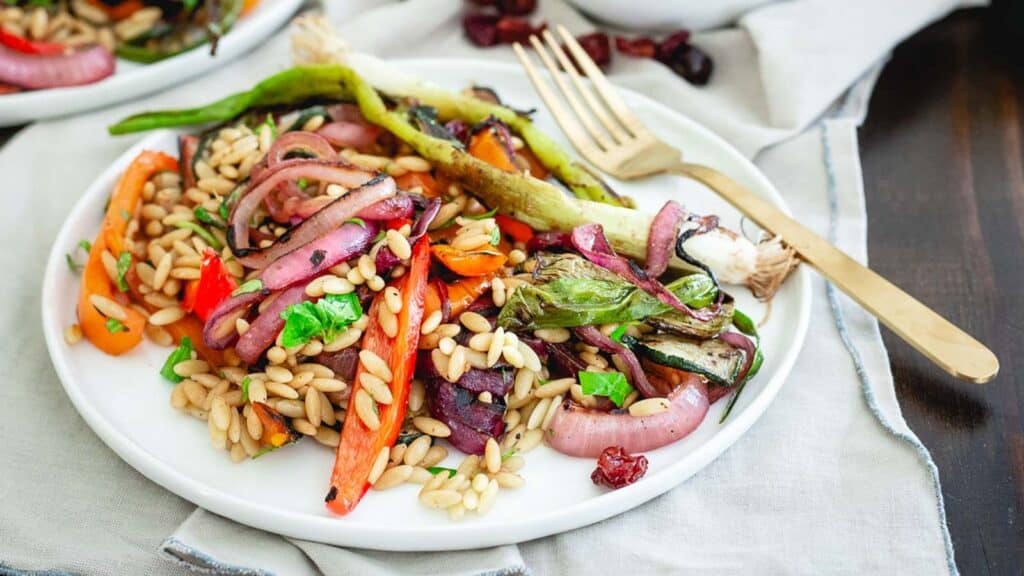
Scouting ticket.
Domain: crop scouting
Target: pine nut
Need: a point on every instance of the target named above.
(431, 426)
(388, 321)
(538, 413)
(366, 409)
(447, 345)
(257, 390)
(281, 390)
(398, 244)
(392, 298)
(313, 412)
(416, 451)
(514, 463)
(457, 364)
(498, 292)
(420, 475)
(530, 440)
(108, 307)
(553, 335)
(509, 480)
(379, 465)
(554, 388)
(480, 482)
(376, 388)
(375, 365)
(434, 456)
(513, 356)
(475, 322)
(328, 437)
(487, 497)
(553, 408)
(73, 334)
(649, 407)
(334, 285)
(279, 374)
(494, 350)
(523, 383)
(166, 316)
(290, 407)
(304, 427)
(440, 498)
(187, 368)
(492, 456)
(417, 394)
(431, 322)
(327, 384)
(482, 341)
(253, 425)
(393, 477)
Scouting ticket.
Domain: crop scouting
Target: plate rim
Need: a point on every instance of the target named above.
(328, 530)
(36, 105)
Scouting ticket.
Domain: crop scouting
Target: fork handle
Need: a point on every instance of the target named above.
(949, 347)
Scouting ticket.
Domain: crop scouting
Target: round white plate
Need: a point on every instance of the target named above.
(131, 79)
(127, 403)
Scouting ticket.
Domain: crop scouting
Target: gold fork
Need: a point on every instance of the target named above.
(605, 132)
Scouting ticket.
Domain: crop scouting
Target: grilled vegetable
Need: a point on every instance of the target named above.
(714, 359)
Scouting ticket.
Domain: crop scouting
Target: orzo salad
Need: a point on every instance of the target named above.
(400, 276)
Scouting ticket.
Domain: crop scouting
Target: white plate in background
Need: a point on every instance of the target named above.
(131, 79)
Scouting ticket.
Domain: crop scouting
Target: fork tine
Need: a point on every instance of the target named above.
(570, 127)
(613, 128)
(601, 84)
(570, 97)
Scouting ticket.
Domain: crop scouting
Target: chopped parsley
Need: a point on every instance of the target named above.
(180, 354)
(327, 318)
(245, 390)
(70, 259)
(124, 262)
(204, 216)
(610, 384)
(114, 326)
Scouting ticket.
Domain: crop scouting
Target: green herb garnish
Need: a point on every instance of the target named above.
(359, 221)
(435, 470)
(495, 236)
(254, 285)
(245, 390)
(180, 354)
(75, 266)
(204, 216)
(124, 262)
(327, 318)
(619, 332)
(202, 233)
(303, 183)
(489, 214)
(114, 326)
(610, 384)
(85, 245)
(269, 122)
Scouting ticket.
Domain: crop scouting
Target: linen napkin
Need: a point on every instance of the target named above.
(829, 480)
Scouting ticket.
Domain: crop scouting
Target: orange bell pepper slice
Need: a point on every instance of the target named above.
(94, 324)
(486, 146)
(426, 183)
(477, 263)
(537, 170)
(461, 294)
(128, 193)
(276, 432)
(359, 445)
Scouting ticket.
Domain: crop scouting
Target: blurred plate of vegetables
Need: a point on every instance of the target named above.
(65, 56)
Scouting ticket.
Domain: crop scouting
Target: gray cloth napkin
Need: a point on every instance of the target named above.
(829, 480)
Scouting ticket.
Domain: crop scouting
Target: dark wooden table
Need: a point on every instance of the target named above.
(944, 177)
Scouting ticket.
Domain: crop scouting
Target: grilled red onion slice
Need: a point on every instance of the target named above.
(743, 343)
(349, 134)
(549, 240)
(263, 330)
(36, 72)
(451, 403)
(344, 362)
(425, 220)
(319, 255)
(591, 335)
(307, 143)
(662, 239)
(326, 220)
(219, 331)
(398, 206)
(578, 431)
(589, 240)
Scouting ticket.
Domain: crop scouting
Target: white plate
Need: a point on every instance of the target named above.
(131, 79)
(125, 401)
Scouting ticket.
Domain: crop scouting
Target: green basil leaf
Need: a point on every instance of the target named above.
(484, 216)
(202, 233)
(180, 354)
(85, 245)
(619, 332)
(359, 221)
(204, 216)
(610, 384)
(327, 318)
(495, 236)
(124, 262)
(245, 390)
(72, 265)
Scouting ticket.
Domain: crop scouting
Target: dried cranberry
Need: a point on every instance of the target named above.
(693, 64)
(616, 469)
(597, 46)
(512, 29)
(482, 29)
(639, 47)
(669, 46)
(516, 7)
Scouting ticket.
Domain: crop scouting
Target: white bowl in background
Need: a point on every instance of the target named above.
(667, 15)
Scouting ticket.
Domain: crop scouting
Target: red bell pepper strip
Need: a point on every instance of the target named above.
(26, 46)
(461, 294)
(359, 445)
(519, 231)
(215, 285)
